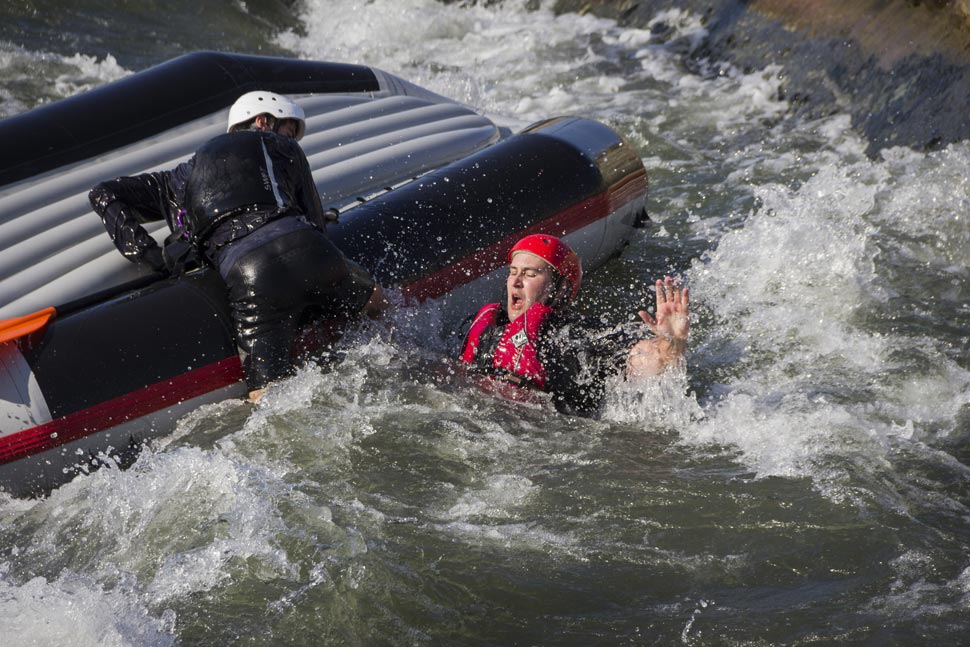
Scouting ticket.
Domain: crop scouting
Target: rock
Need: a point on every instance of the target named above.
(900, 68)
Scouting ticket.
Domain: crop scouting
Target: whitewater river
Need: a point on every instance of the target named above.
(805, 483)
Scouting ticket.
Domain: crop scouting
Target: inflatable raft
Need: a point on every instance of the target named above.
(97, 355)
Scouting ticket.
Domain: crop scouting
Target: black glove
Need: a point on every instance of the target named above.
(153, 258)
(180, 255)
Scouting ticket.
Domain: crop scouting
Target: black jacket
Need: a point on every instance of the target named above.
(126, 203)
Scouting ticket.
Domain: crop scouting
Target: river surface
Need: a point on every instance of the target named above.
(805, 482)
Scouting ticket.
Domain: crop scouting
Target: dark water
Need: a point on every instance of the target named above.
(804, 483)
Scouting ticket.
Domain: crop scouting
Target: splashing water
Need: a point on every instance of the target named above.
(803, 480)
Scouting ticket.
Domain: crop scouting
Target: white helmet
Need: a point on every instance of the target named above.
(257, 103)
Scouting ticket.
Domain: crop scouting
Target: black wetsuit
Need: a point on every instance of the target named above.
(578, 353)
(248, 201)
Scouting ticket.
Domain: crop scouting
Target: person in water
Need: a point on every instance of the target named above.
(246, 201)
(536, 341)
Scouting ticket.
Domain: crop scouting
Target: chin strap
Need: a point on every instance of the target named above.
(560, 292)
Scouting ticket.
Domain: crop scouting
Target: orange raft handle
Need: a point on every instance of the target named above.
(11, 329)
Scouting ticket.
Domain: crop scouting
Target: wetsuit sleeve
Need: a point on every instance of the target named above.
(579, 357)
(125, 204)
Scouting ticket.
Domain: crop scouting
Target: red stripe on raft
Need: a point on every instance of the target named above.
(562, 224)
(120, 410)
(628, 189)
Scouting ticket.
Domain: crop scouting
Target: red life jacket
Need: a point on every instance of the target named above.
(515, 355)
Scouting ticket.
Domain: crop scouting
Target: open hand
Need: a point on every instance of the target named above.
(656, 355)
(673, 309)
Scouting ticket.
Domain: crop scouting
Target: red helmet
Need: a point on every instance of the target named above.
(558, 254)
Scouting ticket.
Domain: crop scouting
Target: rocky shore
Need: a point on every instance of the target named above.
(900, 68)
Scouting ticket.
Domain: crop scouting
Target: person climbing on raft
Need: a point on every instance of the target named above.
(246, 201)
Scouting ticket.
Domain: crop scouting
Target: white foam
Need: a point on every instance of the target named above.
(31, 71)
(175, 521)
(663, 402)
(789, 291)
(929, 208)
(88, 72)
(72, 610)
(527, 62)
(917, 593)
(502, 493)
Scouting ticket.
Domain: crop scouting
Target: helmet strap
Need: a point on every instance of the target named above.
(560, 289)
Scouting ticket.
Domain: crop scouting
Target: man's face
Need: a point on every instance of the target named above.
(530, 280)
(288, 128)
(285, 127)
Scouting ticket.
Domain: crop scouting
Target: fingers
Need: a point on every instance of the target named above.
(671, 298)
(649, 321)
(670, 290)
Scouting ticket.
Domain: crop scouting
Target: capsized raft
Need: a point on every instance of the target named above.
(97, 355)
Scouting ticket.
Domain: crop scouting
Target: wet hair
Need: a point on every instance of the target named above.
(249, 124)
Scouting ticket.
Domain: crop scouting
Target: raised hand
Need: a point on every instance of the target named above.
(673, 311)
(671, 327)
